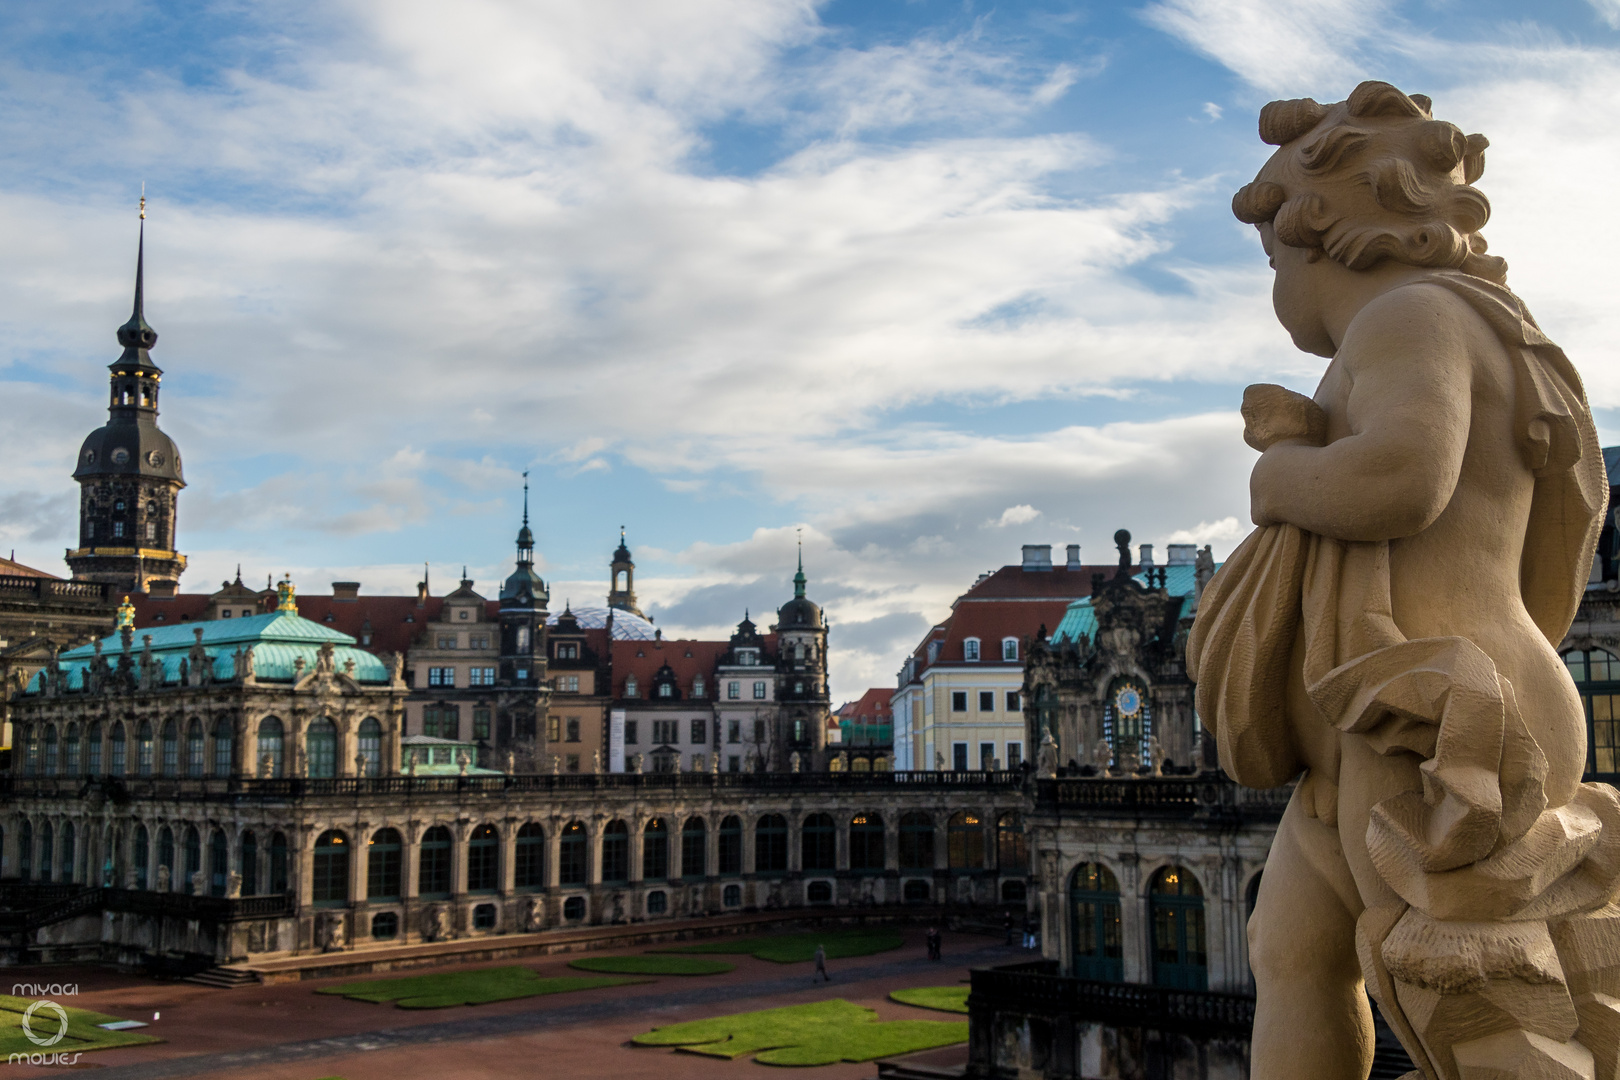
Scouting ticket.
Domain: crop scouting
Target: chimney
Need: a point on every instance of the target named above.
(1074, 558)
(1181, 554)
(345, 590)
(1037, 556)
(1146, 558)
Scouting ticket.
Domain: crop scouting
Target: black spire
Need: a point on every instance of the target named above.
(525, 540)
(135, 335)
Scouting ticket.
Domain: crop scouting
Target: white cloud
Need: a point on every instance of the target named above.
(1293, 49)
(1608, 11)
(1022, 514)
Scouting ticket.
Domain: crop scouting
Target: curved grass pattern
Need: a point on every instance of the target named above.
(817, 1034)
(944, 998)
(445, 989)
(652, 965)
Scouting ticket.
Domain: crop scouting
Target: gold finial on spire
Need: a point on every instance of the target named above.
(143, 200)
(286, 594)
(126, 615)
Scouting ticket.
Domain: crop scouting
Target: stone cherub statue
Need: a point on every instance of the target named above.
(1388, 633)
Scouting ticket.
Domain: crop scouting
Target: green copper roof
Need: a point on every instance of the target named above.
(278, 640)
(1180, 579)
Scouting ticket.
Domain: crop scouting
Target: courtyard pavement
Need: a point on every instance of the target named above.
(288, 1032)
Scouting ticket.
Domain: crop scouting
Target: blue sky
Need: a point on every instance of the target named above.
(924, 280)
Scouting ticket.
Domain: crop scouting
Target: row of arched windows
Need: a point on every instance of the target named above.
(1175, 926)
(386, 864)
(61, 854)
(175, 750)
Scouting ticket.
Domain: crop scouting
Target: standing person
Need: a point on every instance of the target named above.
(1007, 924)
(821, 965)
(1029, 931)
(939, 942)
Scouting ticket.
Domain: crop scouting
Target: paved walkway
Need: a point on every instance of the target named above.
(595, 1029)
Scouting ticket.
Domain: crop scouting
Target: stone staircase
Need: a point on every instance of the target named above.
(224, 978)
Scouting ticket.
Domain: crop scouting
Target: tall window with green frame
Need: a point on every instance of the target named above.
(1597, 678)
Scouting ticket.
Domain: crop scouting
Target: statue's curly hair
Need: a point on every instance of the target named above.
(1370, 178)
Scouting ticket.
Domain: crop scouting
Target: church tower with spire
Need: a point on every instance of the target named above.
(802, 672)
(622, 595)
(129, 471)
(524, 686)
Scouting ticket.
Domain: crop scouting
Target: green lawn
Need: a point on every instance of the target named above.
(479, 987)
(944, 998)
(817, 1034)
(82, 1033)
(797, 948)
(652, 965)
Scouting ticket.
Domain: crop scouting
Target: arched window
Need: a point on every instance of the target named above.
(51, 750)
(529, 871)
(271, 747)
(371, 745)
(866, 843)
(278, 862)
(1176, 903)
(249, 866)
(47, 848)
(219, 862)
(193, 852)
(731, 845)
(655, 850)
(70, 751)
(194, 750)
(92, 749)
(616, 852)
(68, 852)
(572, 861)
(916, 842)
(1597, 677)
(770, 845)
(433, 863)
(818, 843)
(1012, 845)
(171, 748)
(223, 737)
(119, 757)
(965, 841)
(1094, 911)
(694, 848)
(331, 874)
(143, 858)
(165, 855)
(385, 864)
(484, 860)
(970, 648)
(1009, 648)
(320, 744)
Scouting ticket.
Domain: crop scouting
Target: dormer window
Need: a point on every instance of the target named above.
(933, 651)
(970, 649)
(631, 687)
(1009, 648)
(747, 657)
(666, 690)
(567, 652)
(698, 687)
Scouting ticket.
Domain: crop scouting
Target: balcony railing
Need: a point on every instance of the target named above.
(124, 788)
(28, 905)
(1033, 989)
(1209, 795)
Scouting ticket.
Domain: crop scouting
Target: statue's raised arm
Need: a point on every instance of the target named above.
(1388, 634)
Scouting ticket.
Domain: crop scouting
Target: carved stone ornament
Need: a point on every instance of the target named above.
(1377, 636)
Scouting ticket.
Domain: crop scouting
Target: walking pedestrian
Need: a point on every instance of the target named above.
(821, 965)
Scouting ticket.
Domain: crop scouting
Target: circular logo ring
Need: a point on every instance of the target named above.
(61, 1031)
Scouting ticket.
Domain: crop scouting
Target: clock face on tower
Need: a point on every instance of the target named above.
(1128, 702)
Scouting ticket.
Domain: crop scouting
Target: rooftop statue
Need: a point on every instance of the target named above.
(1388, 633)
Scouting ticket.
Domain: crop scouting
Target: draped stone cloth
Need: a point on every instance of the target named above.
(1479, 841)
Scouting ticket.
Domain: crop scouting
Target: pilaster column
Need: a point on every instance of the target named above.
(1134, 929)
(359, 864)
(508, 867)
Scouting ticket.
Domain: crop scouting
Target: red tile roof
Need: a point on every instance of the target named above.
(1015, 583)
(990, 622)
(871, 707)
(643, 659)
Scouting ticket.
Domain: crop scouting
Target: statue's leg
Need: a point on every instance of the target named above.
(1311, 1014)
